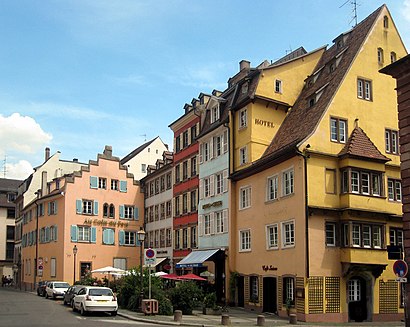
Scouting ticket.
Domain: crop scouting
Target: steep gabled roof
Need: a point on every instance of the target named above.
(303, 118)
(360, 146)
(131, 155)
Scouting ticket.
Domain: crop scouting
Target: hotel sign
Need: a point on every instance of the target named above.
(266, 123)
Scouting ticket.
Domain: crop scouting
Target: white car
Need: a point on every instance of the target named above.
(56, 289)
(94, 298)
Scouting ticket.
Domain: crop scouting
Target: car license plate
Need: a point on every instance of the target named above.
(102, 300)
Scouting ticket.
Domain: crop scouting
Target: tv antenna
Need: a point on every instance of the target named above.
(145, 137)
(4, 169)
(354, 10)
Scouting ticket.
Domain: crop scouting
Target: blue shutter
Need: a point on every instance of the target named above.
(136, 213)
(121, 237)
(42, 209)
(47, 234)
(121, 211)
(78, 206)
(111, 236)
(93, 182)
(55, 233)
(35, 236)
(73, 233)
(123, 186)
(93, 234)
(55, 207)
(49, 208)
(95, 207)
(104, 236)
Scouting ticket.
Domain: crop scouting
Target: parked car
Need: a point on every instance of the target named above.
(41, 288)
(56, 289)
(94, 298)
(71, 292)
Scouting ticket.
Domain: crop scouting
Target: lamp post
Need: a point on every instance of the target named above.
(141, 238)
(75, 250)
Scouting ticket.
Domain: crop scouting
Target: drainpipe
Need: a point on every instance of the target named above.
(36, 259)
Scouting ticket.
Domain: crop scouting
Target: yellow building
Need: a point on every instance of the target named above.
(97, 211)
(312, 218)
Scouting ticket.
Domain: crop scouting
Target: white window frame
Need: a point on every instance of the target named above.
(243, 155)
(88, 207)
(243, 118)
(272, 237)
(53, 267)
(245, 197)
(245, 240)
(272, 188)
(102, 183)
(214, 114)
(129, 238)
(331, 237)
(84, 233)
(288, 180)
(129, 212)
(278, 86)
(219, 183)
(288, 233)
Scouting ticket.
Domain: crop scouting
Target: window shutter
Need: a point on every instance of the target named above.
(212, 185)
(212, 221)
(121, 211)
(93, 234)
(225, 220)
(225, 180)
(93, 182)
(55, 207)
(123, 186)
(48, 208)
(121, 237)
(47, 234)
(78, 206)
(73, 233)
(95, 207)
(201, 189)
(201, 150)
(211, 148)
(112, 236)
(225, 141)
(42, 209)
(136, 213)
(105, 236)
(200, 225)
(55, 233)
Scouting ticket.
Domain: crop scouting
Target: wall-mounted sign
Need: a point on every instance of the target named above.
(264, 123)
(269, 267)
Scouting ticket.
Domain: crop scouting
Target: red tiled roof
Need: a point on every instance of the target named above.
(359, 145)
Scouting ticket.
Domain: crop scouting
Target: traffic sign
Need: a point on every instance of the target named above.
(401, 279)
(150, 256)
(400, 268)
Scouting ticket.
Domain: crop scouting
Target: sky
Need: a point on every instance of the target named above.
(81, 74)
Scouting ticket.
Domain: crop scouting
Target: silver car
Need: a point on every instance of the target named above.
(94, 298)
(56, 289)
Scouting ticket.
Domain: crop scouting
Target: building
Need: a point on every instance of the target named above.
(314, 215)
(82, 221)
(147, 154)
(8, 194)
(185, 190)
(157, 186)
(400, 70)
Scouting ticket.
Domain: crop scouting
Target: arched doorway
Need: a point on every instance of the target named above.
(358, 297)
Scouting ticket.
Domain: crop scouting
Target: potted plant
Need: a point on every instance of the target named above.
(290, 306)
(210, 307)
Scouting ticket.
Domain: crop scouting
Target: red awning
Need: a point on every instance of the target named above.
(170, 276)
(191, 277)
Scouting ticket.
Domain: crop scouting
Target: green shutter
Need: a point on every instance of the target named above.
(55, 233)
(136, 213)
(93, 182)
(95, 207)
(121, 211)
(47, 234)
(73, 233)
(55, 207)
(121, 237)
(123, 186)
(93, 234)
(78, 206)
(48, 208)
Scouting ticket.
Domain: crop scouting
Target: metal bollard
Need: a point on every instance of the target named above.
(178, 315)
(293, 320)
(260, 320)
(225, 320)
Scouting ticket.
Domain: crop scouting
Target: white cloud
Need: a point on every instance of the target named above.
(21, 134)
(406, 10)
(20, 170)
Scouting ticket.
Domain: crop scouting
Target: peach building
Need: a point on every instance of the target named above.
(97, 210)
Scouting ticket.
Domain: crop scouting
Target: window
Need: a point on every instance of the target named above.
(214, 114)
(219, 180)
(366, 236)
(278, 86)
(84, 233)
(205, 147)
(128, 212)
(178, 143)
(356, 236)
(105, 210)
(243, 155)
(177, 174)
(243, 119)
(362, 235)
(168, 237)
(185, 203)
(52, 208)
(87, 207)
(330, 234)
(9, 250)
(207, 224)
(11, 197)
(396, 236)
(112, 211)
(10, 232)
(221, 221)
(193, 201)
(169, 183)
(177, 202)
(361, 182)
(245, 240)
(364, 89)
(193, 166)
(184, 170)
(272, 236)
(287, 182)
(193, 133)
(393, 57)
(338, 130)
(244, 197)
(377, 237)
(254, 289)
(143, 168)
(102, 183)
(217, 146)
(162, 183)
(193, 237)
(288, 290)
(53, 267)
(129, 238)
(156, 186)
(169, 208)
(162, 238)
(151, 189)
(162, 211)
(185, 140)
(394, 189)
(386, 22)
(114, 184)
(288, 234)
(392, 144)
(272, 188)
(354, 292)
(380, 56)
(120, 263)
(177, 239)
(11, 212)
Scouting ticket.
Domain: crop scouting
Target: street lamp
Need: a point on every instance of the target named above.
(75, 250)
(141, 238)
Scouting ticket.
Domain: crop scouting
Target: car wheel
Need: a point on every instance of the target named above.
(74, 309)
(82, 311)
(65, 302)
(113, 313)
(46, 295)
(54, 296)
(72, 304)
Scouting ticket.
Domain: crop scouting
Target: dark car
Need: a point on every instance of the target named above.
(41, 288)
(71, 292)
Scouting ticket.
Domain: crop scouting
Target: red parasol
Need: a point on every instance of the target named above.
(170, 276)
(191, 277)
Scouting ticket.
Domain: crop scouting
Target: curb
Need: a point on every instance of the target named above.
(161, 322)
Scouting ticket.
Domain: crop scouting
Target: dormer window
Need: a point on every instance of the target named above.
(214, 114)
(339, 44)
(311, 102)
(245, 87)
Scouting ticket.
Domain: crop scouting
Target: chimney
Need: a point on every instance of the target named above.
(108, 151)
(244, 64)
(75, 160)
(47, 154)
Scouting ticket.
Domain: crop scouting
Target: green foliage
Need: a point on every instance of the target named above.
(186, 296)
(210, 301)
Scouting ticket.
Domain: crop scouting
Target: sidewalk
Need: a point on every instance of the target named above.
(238, 317)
